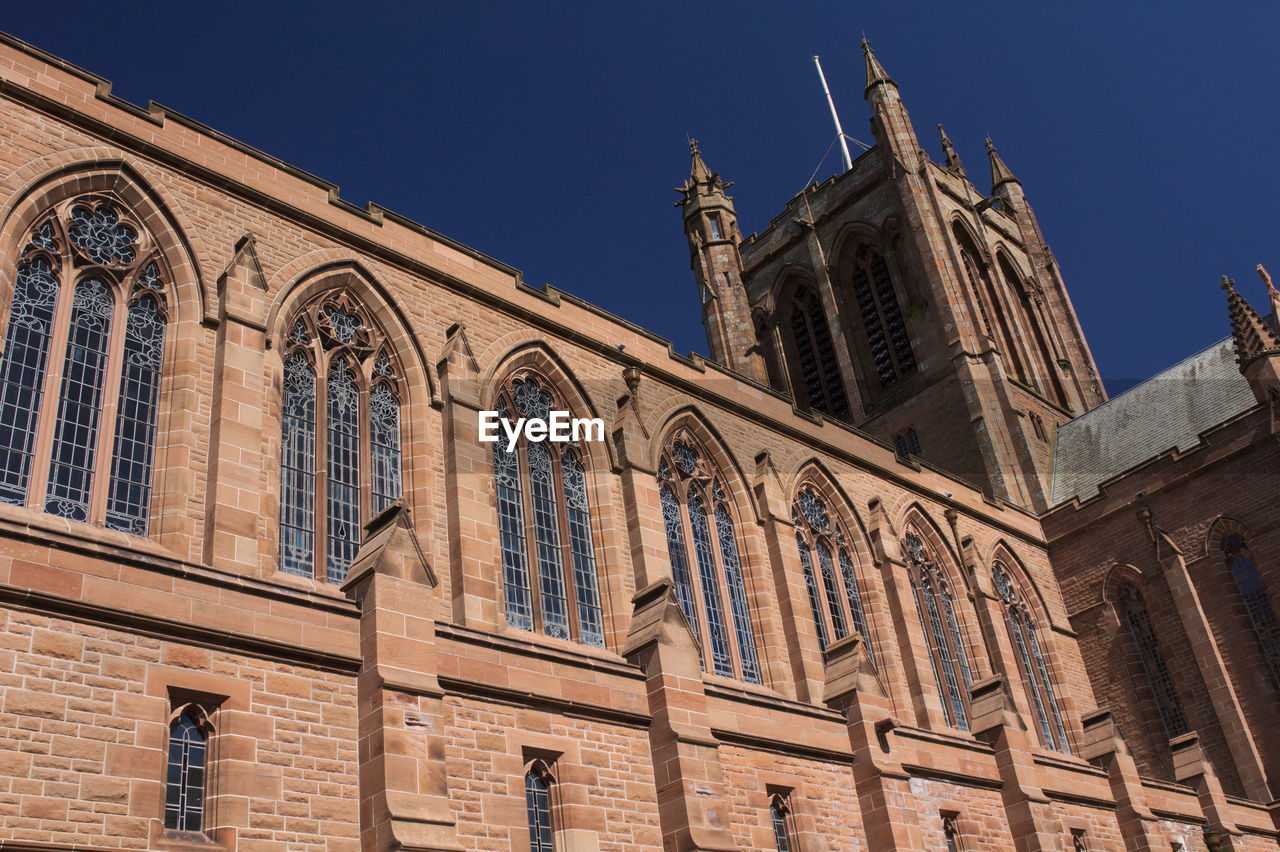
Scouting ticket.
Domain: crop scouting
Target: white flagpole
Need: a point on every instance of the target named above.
(844, 148)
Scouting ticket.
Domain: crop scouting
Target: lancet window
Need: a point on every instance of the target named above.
(695, 510)
(882, 318)
(544, 518)
(1132, 610)
(936, 608)
(816, 364)
(538, 787)
(341, 460)
(1031, 661)
(187, 772)
(1261, 614)
(831, 580)
(81, 366)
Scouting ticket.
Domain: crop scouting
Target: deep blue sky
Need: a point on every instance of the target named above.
(550, 135)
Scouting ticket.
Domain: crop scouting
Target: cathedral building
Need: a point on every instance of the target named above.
(888, 571)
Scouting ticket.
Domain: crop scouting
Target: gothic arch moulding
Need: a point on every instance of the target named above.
(1216, 536)
(334, 269)
(534, 354)
(689, 418)
(47, 181)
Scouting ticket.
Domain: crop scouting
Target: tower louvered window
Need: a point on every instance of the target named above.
(816, 361)
(1031, 662)
(936, 608)
(544, 518)
(81, 366)
(882, 319)
(695, 510)
(340, 419)
(1133, 612)
(1261, 614)
(835, 599)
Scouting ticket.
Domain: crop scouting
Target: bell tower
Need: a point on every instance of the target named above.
(711, 227)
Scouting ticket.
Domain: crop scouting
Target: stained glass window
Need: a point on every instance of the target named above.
(942, 631)
(130, 494)
(1031, 662)
(695, 510)
(185, 779)
(343, 471)
(90, 236)
(298, 468)
(340, 415)
(1256, 603)
(547, 483)
(537, 795)
(834, 596)
(882, 320)
(951, 834)
(384, 439)
(1133, 612)
(22, 373)
(778, 813)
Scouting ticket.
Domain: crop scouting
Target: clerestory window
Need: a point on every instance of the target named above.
(544, 525)
(81, 366)
(695, 510)
(1031, 662)
(1256, 602)
(1132, 610)
(831, 580)
(936, 608)
(341, 460)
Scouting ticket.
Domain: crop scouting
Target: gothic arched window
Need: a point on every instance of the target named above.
(544, 521)
(1132, 610)
(187, 773)
(936, 608)
(538, 784)
(80, 369)
(695, 509)
(995, 319)
(1031, 662)
(834, 596)
(882, 320)
(816, 364)
(780, 819)
(340, 448)
(1261, 614)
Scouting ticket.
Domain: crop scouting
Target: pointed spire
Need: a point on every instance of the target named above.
(702, 181)
(999, 171)
(699, 173)
(949, 151)
(875, 71)
(1253, 337)
(1273, 296)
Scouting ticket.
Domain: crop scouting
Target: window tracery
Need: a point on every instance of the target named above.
(186, 776)
(934, 605)
(1031, 661)
(546, 483)
(87, 317)
(692, 497)
(835, 598)
(340, 449)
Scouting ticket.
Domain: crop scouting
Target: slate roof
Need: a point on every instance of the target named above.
(1168, 410)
